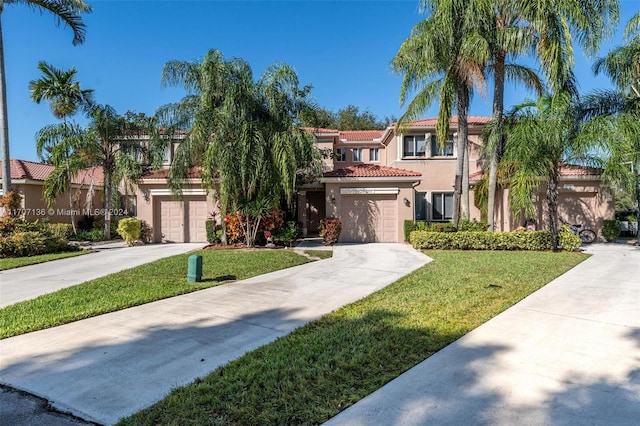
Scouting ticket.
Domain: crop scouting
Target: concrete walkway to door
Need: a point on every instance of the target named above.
(107, 367)
(32, 281)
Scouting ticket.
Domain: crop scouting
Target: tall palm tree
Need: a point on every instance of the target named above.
(444, 58)
(107, 144)
(243, 133)
(65, 97)
(612, 118)
(541, 136)
(547, 29)
(66, 12)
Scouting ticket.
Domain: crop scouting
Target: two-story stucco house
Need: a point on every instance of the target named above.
(373, 182)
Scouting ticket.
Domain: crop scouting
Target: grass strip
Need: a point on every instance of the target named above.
(18, 262)
(321, 254)
(136, 286)
(320, 369)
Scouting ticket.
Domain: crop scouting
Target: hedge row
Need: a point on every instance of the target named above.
(483, 240)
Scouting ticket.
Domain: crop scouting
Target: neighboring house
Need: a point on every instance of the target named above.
(374, 181)
(378, 179)
(27, 178)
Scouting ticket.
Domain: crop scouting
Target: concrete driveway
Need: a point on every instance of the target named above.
(32, 281)
(111, 366)
(569, 354)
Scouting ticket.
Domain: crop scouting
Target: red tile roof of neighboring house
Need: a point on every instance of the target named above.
(360, 135)
(431, 122)
(319, 130)
(370, 170)
(22, 169)
(192, 173)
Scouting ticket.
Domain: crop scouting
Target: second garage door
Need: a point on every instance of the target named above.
(369, 219)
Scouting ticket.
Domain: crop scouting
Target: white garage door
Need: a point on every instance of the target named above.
(183, 221)
(197, 212)
(369, 219)
(172, 221)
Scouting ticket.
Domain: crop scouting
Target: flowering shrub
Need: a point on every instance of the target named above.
(235, 230)
(330, 229)
(129, 229)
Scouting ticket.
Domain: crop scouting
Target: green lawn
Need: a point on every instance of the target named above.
(17, 262)
(324, 367)
(322, 254)
(157, 280)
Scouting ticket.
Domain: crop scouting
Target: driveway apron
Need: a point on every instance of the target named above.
(569, 354)
(107, 367)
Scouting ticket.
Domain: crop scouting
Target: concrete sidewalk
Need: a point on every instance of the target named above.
(569, 354)
(32, 281)
(111, 366)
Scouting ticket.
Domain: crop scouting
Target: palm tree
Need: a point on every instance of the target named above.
(108, 143)
(612, 118)
(541, 136)
(66, 12)
(447, 52)
(243, 134)
(66, 97)
(547, 28)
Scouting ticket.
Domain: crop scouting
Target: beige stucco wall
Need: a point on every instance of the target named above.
(35, 206)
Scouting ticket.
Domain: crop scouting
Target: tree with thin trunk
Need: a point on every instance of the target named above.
(65, 97)
(65, 12)
(241, 133)
(444, 59)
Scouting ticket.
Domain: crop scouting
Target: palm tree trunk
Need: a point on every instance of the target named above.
(498, 106)
(4, 119)
(107, 205)
(465, 184)
(552, 214)
(461, 144)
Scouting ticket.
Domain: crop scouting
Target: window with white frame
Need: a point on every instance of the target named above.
(445, 150)
(414, 146)
(357, 154)
(442, 206)
(166, 153)
(341, 154)
(421, 206)
(374, 154)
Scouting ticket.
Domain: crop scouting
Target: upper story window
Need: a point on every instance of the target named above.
(357, 154)
(341, 154)
(374, 154)
(445, 150)
(414, 146)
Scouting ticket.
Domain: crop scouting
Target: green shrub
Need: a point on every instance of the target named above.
(93, 235)
(287, 234)
(210, 225)
(611, 230)
(129, 229)
(472, 225)
(568, 240)
(21, 244)
(442, 227)
(330, 229)
(481, 240)
(409, 226)
(60, 230)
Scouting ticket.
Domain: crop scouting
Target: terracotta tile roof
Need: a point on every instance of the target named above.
(431, 122)
(370, 170)
(192, 173)
(319, 130)
(360, 135)
(23, 169)
(476, 176)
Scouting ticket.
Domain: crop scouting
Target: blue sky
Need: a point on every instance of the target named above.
(343, 48)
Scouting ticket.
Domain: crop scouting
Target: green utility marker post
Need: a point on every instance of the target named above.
(194, 273)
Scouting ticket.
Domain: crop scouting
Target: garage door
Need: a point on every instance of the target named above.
(369, 219)
(197, 212)
(172, 221)
(183, 221)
